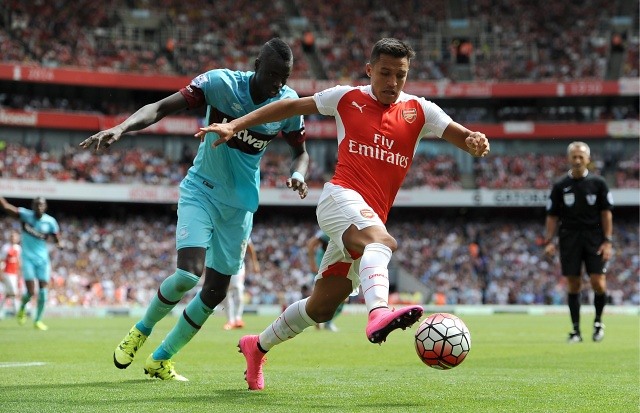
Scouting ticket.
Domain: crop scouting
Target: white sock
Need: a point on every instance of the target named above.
(374, 275)
(239, 304)
(231, 316)
(291, 322)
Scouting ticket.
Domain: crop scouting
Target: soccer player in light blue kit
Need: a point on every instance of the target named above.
(37, 228)
(218, 197)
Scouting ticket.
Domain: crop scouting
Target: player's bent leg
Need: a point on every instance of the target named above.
(162, 369)
(21, 316)
(26, 298)
(126, 351)
(43, 293)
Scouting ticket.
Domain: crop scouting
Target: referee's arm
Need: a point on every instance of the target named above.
(551, 226)
(607, 231)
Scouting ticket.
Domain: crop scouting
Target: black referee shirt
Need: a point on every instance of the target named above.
(577, 202)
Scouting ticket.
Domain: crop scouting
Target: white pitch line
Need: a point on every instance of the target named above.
(21, 364)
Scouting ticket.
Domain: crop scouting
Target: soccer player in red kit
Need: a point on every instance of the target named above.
(379, 128)
(10, 263)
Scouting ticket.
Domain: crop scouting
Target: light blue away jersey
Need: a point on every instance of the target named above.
(231, 172)
(35, 233)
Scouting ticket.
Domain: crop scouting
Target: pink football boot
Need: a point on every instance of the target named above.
(382, 321)
(248, 346)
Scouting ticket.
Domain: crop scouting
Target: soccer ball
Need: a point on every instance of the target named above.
(442, 341)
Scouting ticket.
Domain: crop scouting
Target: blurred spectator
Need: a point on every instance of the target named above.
(308, 42)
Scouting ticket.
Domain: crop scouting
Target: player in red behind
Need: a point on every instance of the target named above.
(10, 264)
(379, 128)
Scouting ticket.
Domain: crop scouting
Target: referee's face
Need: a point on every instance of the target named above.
(579, 160)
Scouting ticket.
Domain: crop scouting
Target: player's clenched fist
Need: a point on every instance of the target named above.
(478, 144)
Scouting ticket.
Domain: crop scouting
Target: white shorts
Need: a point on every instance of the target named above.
(338, 209)
(237, 279)
(10, 282)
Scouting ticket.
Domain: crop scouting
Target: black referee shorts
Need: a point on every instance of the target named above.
(581, 246)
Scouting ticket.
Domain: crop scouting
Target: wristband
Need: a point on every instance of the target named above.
(297, 176)
(608, 239)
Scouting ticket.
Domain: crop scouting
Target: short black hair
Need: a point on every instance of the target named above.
(392, 47)
(278, 46)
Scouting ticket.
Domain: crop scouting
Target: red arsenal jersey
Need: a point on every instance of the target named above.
(11, 257)
(376, 142)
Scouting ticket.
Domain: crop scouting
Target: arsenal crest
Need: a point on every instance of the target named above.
(410, 115)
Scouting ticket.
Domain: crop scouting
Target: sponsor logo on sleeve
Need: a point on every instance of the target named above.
(199, 81)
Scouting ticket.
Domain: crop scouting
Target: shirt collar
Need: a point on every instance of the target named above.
(584, 175)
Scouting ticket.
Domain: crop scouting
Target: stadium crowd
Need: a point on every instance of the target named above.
(469, 113)
(152, 167)
(511, 39)
(120, 261)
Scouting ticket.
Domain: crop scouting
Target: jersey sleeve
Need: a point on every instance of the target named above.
(327, 100)
(553, 202)
(201, 86)
(24, 213)
(194, 92)
(55, 227)
(194, 96)
(605, 197)
(293, 130)
(435, 119)
(295, 137)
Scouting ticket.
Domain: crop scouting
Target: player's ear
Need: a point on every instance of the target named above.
(368, 69)
(256, 65)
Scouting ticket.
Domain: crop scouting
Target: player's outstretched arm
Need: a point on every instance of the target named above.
(8, 208)
(272, 112)
(143, 117)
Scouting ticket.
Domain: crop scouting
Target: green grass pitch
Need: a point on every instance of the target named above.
(517, 363)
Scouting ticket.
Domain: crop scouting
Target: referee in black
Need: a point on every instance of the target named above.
(580, 204)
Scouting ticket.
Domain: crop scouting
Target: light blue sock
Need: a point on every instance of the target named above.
(42, 301)
(172, 289)
(189, 323)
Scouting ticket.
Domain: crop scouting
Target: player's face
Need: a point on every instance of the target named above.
(271, 75)
(39, 206)
(388, 76)
(579, 160)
